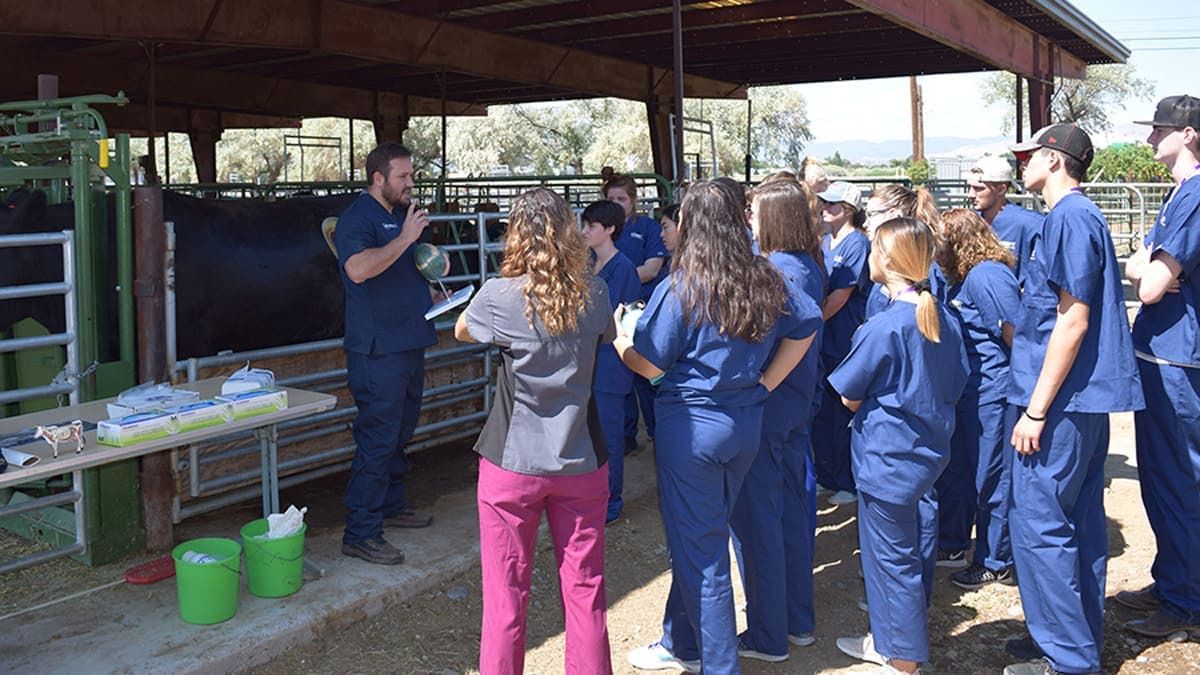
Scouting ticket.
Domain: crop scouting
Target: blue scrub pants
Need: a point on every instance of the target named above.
(642, 397)
(772, 521)
(831, 443)
(387, 390)
(898, 559)
(1059, 539)
(611, 409)
(1168, 454)
(974, 488)
(702, 455)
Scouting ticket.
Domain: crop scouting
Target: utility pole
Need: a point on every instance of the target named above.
(918, 120)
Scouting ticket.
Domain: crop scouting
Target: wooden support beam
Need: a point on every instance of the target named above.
(188, 88)
(131, 119)
(204, 152)
(977, 28)
(658, 114)
(351, 29)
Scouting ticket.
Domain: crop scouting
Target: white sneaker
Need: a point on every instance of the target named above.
(656, 657)
(843, 497)
(801, 639)
(887, 669)
(861, 648)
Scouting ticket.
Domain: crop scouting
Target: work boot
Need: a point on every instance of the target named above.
(1143, 600)
(408, 519)
(376, 550)
(1159, 624)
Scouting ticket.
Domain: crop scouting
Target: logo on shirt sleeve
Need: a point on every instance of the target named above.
(389, 226)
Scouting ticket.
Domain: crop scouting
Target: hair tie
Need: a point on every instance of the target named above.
(923, 286)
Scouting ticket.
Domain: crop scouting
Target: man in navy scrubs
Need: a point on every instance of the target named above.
(1166, 335)
(1072, 364)
(386, 337)
(1014, 225)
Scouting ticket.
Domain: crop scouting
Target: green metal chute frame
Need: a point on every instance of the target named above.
(59, 145)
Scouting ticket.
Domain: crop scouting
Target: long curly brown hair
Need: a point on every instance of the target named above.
(966, 241)
(714, 272)
(544, 242)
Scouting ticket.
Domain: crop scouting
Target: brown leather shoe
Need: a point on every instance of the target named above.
(1159, 624)
(408, 519)
(1143, 600)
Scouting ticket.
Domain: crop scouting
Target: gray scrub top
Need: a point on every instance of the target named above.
(543, 419)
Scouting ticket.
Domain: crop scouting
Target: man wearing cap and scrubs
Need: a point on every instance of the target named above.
(1014, 225)
(1072, 364)
(1167, 339)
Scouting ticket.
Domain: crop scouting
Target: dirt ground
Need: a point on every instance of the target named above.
(439, 632)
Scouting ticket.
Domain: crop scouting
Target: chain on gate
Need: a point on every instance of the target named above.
(66, 376)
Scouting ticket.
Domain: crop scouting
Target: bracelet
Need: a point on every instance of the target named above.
(1035, 419)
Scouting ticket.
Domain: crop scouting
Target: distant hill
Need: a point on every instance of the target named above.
(882, 152)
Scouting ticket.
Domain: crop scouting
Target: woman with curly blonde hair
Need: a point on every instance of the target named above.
(542, 448)
(974, 488)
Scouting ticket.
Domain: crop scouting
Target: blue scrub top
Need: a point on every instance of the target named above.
(846, 266)
(701, 366)
(1074, 252)
(909, 386)
(878, 298)
(1170, 328)
(384, 314)
(1014, 227)
(641, 240)
(985, 300)
(794, 401)
(619, 274)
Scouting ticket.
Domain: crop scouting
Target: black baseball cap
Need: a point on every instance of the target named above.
(1177, 112)
(1066, 138)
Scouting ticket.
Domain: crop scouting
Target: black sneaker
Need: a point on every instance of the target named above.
(977, 576)
(631, 445)
(376, 550)
(951, 559)
(1024, 648)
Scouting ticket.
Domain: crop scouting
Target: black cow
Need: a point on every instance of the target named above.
(249, 273)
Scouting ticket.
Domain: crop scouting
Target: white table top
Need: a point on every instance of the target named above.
(300, 404)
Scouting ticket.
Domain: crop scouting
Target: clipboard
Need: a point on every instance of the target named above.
(459, 297)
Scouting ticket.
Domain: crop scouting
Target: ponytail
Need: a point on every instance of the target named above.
(926, 209)
(909, 246)
(927, 314)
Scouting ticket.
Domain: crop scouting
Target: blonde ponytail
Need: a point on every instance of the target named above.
(909, 245)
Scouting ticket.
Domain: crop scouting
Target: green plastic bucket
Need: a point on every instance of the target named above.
(274, 567)
(208, 591)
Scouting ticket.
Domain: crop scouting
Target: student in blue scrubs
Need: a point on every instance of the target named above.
(897, 201)
(602, 223)
(845, 249)
(1166, 335)
(773, 517)
(974, 489)
(988, 181)
(641, 242)
(707, 335)
(902, 377)
(1072, 365)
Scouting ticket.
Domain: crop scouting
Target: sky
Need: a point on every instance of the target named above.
(1163, 36)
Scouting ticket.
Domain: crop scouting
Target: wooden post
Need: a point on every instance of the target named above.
(918, 119)
(156, 479)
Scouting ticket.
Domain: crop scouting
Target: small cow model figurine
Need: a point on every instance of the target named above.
(56, 434)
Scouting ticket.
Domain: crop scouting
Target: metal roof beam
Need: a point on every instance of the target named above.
(347, 28)
(977, 28)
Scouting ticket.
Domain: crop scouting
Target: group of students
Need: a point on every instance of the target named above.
(946, 371)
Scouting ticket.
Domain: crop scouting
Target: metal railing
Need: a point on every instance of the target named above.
(213, 492)
(66, 289)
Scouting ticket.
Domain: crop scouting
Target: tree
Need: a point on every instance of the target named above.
(1085, 102)
(778, 130)
(1127, 162)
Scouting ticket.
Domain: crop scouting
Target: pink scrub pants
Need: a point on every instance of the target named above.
(510, 508)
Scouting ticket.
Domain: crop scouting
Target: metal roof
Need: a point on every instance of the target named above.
(278, 59)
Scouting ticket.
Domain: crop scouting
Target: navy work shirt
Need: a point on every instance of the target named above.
(384, 314)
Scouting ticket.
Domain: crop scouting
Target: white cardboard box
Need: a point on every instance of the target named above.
(257, 402)
(138, 427)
